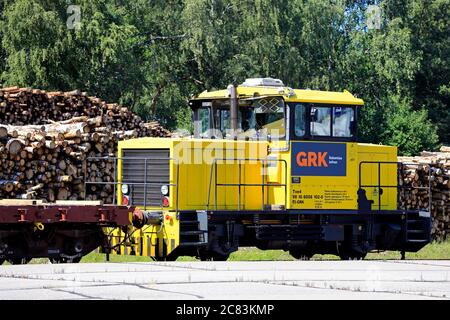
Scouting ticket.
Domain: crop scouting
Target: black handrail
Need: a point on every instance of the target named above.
(397, 186)
(239, 184)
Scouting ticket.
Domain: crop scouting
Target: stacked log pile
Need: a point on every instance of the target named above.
(434, 168)
(47, 137)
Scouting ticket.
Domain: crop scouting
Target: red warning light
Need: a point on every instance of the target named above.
(165, 201)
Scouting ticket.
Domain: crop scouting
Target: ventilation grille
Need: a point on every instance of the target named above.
(149, 166)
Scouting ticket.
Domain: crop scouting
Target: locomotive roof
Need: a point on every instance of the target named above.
(289, 95)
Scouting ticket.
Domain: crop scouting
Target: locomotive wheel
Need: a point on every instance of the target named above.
(345, 251)
(213, 257)
(64, 260)
(300, 255)
(352, 255)
(167, 258)
(19, 260)
(173, 256)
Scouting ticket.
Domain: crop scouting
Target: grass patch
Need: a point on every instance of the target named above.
(433, 251)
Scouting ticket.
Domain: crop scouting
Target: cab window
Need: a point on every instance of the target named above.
(263, 118)
(223, 123)
(323, 122)
(204, 122)
(320, 121)
(343, 119)
(300, 120)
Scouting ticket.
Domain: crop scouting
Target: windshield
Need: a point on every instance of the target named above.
(258, 119)
(263, 118)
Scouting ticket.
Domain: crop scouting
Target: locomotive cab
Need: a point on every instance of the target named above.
(271, 118)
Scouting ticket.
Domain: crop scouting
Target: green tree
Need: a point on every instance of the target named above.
(166, 79)
(34, 45)
(41, 51)
(2, 51)
(212, 41)
(410, 130)
(430, 25)
(152, 55)
(102, 58)
(381, 65)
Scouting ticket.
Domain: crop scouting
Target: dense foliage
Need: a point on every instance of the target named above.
(152, 55)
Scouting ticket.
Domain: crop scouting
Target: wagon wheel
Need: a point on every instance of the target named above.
(19, 260)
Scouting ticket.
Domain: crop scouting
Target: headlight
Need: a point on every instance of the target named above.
(165, 190)
(125, 189)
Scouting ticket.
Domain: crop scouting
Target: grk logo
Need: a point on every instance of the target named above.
(318, 159)
(312, 159)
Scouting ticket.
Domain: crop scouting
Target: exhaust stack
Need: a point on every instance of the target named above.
(233, 109)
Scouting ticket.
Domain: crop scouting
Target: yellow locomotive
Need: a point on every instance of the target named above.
(269, 167)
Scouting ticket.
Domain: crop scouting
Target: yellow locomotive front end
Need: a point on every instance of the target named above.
(267, 166)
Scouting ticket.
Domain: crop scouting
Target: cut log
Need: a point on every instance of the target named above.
(14, 146)
(3, 132)
(63, 194)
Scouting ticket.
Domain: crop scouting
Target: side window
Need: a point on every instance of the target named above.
(300, 122)
(225, 121)
(321, 121)
(343, 117)
(203, 116)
